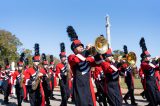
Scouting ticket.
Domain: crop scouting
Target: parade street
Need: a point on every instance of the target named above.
(13, 101)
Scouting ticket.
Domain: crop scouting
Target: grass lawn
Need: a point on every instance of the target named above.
(137, 83)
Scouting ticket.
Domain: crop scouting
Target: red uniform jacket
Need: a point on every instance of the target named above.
(59, 67)
(157, 75)
(112, 74)
(147, 70)
(30, 72)
(97, 72)
(16, 75)
(128, 75)
(74, 61)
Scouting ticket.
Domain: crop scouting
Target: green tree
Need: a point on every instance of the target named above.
(9, 44)
(28, 54)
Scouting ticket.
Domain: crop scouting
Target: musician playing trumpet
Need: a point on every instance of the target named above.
(80, 63)
(104, 58)
(112, 72)
(127, 68)
(149, 70)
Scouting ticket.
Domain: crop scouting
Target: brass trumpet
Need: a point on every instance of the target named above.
(101, 46)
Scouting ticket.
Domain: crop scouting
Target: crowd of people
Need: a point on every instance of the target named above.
(75, 73)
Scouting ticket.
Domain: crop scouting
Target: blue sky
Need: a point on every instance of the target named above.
(45, 22)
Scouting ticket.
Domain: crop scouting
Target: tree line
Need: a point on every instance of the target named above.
(10, 47)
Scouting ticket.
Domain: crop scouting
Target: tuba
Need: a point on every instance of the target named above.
(101, 46)
(131, 59)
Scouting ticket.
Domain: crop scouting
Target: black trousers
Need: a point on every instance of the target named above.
(130, 92)
(100, 94)
(114, 96)
(35, 97)
(64, 91)
(152, 90)
(19, 93)
(47, 93)
(52, 81)
(6, 89)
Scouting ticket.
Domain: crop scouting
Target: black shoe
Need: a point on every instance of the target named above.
(125, 100)
(52, 98)
(143, 96)
(135, 104)
(19, 105)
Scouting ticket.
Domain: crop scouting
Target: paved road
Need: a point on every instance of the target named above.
(139, 100)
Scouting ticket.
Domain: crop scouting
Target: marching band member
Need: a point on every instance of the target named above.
(80, 64)
(128, 79)
(6, 81)
(46, 80)
(111, 72)
(148, 69)
(62, 71)
(53, 77)
(156, 61)
(99, 79)
(18, 79)
(33, 79)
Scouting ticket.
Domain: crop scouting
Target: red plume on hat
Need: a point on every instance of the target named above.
(7, 66)
(45, 62)
(73, 37)
(36, 55)
(51, 59)
(21, 60)
(62, 49)
(145, 53)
